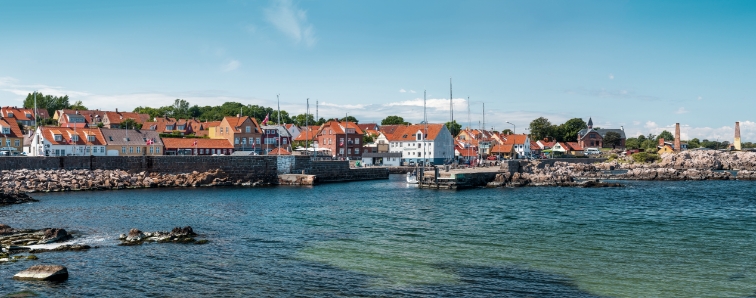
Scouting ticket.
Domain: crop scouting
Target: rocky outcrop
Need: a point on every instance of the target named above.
(15, 198)
(43, 272)
(14, 240)
(26, 181)
(177, 235)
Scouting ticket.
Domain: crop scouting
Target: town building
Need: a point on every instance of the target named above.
(594, 138)
(275, 136)
(293, 130)
(341, 139)
(520, 143)
(197, 146)
(11, 137)
(132, 142)
(429, 143)
(65, 141)
(23, 116)
(242, 132)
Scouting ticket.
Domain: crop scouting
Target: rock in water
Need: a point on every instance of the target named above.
(53, 235)
(43, 272)
(135, 235)
(185, 231)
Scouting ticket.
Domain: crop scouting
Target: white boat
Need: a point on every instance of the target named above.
(411, 178)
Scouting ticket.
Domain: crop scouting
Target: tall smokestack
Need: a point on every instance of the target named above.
(677, 137)
(736, 142)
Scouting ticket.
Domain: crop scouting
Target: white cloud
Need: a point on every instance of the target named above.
(687, 132)
(291, 21)
(700, 98)
(402, 90)
(681, 110)
(231, 65)
(611, 76)
(412, 91)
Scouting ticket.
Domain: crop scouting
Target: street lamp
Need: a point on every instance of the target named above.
(514, 128)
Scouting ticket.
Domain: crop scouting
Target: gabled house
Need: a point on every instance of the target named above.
(63, 141)
(423, 143)
(342, 139)
(275, 136)
(114, 119)
(72, 120)
(293, 130)
(11, 137)
(521, 144)
(594, 138)
(575, 148)
(504, 151)
(132, 142)
(23, 116)
(243, 132)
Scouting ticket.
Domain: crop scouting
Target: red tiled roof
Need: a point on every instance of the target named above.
(515, 139)
(407, 132)
(15, 130)
(338, 127)
(66, 133)
(502, 148)
(574, 146)
(179, 143)
(534, 146)
(279, 151)
(311, 131)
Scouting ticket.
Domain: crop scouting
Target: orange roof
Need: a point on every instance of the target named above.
(574, 146)
(311, 131)
(516, 139)
(534, 146)
(179, 143)
(279, 151)
(208, 124)
(20, 113)
(503, 148)
(66, 133)
(15, 131)
(389, 129)
(407, 132)
(338, 127)
(467, 152)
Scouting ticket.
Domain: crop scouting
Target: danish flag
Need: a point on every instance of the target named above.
(195, 143)
(150, 142)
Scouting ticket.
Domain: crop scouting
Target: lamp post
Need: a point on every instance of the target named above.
(514, 128)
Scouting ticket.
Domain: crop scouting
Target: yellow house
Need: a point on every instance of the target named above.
(11, 136)
(132, 142)
(666, 148)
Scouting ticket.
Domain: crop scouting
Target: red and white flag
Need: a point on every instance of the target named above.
(150, 142)
(265, 121)
(195, 143)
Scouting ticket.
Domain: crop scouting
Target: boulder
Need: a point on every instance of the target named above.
(54, 235)
(43, 272)
(135, 235)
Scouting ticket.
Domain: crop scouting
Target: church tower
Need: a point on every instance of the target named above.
(590, 123)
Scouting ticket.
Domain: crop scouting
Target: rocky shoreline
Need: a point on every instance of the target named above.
(15, 183)
(687, 165)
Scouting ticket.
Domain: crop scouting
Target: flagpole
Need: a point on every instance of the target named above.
(278, 131)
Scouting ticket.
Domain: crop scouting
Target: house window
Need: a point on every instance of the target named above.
(152, 150)
(419, 136)
(356, 150)
(257, 141)
(244, 141)
(236, 140)
(6, 130)
(284, 141)
(17, 143)
(75, 138)
(131, 149)
(58, 138)
(91, 138)
(249, 129)
(157, 149)
(226, 129)
(123, 149)
(139, 149)
(357, 141)
(341, 151)
(349, 151)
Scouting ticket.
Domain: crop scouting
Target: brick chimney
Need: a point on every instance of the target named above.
(677, 137)
(736, 142)
(661, 142)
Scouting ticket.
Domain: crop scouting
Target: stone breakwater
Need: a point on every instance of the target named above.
(27, 181)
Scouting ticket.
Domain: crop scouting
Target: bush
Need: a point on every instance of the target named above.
(645, 157)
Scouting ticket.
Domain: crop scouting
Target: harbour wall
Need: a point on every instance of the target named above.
(246, 168)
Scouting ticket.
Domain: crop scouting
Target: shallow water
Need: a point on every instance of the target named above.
(382, 238)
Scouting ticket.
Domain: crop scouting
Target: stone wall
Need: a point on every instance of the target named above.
(541, 163)
(245, 168)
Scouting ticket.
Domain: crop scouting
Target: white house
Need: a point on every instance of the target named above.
(63, 141)
(429, 143)
(521, 144)
(293, 130)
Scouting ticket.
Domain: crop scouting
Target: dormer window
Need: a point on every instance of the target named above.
(28, 115)
(75, 138)
(419, 136)
(90, 138)
(180, 127)
(6, 130)
(58, 138)
(10, 114)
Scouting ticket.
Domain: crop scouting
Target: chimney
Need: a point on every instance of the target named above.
(677, 137)
(661, 142)
(116, 110)
(736, 142)
(238, 115)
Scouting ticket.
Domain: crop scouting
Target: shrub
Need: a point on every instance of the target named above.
(645, 157)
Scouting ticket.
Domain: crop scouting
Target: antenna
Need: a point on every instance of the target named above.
(451, 103)
(316, 111)
(307, 113)
(484, 115)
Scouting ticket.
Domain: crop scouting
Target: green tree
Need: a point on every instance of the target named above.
(302, 119)
(569, 130)
(667, 136)
(454, 128)
(694, 143)
(154, 113)
(351, 119)
(78, 106)
(540, 128)
(507, 131)
(632, 143)
(130, 124)
(612, 139)
(393, 120)
(47, 102)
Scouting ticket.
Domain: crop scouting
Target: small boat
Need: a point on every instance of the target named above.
(412, 178)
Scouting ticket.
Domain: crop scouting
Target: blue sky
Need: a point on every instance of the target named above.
(642, 65)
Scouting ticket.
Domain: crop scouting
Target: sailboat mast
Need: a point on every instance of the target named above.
(451, 103)
(278, 131)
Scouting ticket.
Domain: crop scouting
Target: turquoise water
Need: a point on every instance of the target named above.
(382, 238)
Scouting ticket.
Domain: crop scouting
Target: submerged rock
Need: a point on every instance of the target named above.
(43, 272)
(177, 235)
(18, 198)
